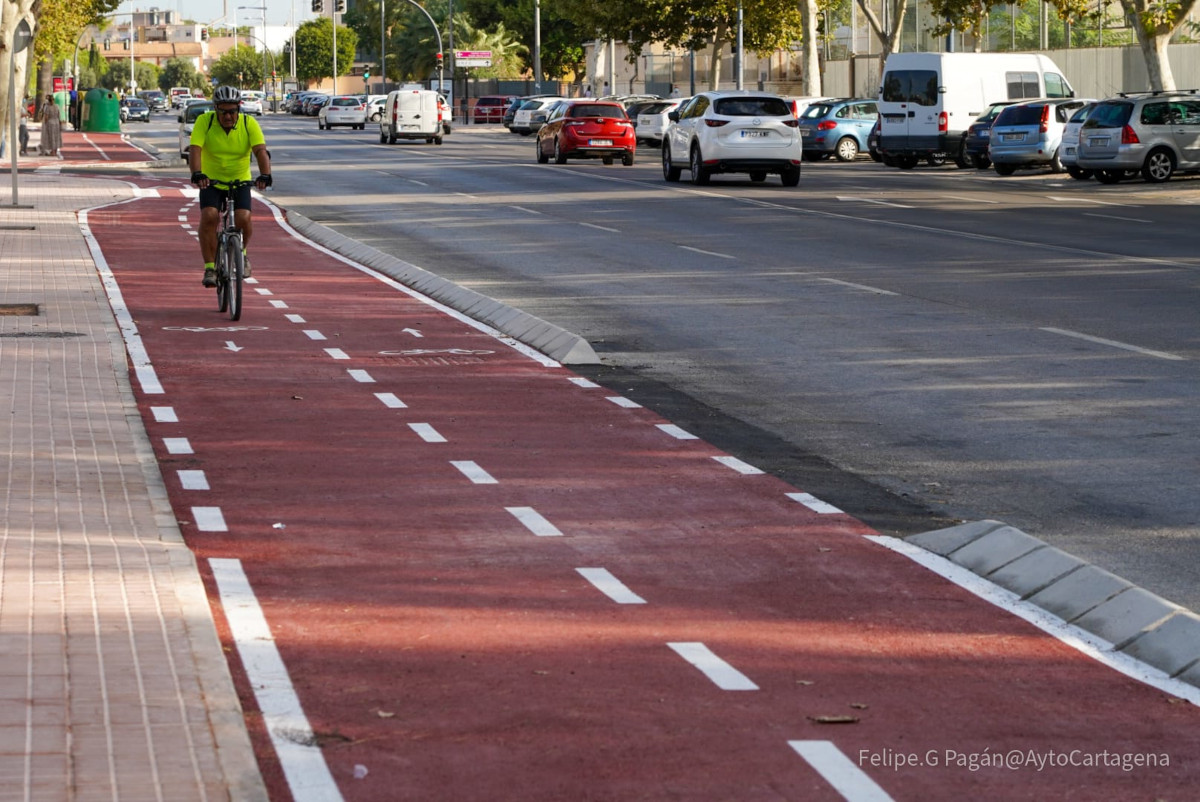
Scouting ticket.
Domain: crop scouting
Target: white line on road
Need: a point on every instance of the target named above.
(263, 291)
(813, 503)
(738, 465)
(839, 771)
(178, 445)
(473, 472)
(1062, 199)
(534, 521)
(582, 382)
(1101, 341)
(278, 304)
(209, 519)
(193, 480)
(969, 199)
(528, 211)
(676, 432)
(723, 675)
(337, 353)
(602, 228)
(427, 433)
(313, 334)
(852, 285)
(391, 401)
(360, 375)
(872, 200)
(164, 414)
(707, 253)
(624, 402)
(295, 319)
(1117, 217)
(610, 586)
(291, 734)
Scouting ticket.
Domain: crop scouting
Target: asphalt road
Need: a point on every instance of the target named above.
(914, 347)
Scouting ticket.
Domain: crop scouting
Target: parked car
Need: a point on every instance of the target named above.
(134, 108)
(873, 142)
(300, 99)
(1029, 134)
(973, 151)
(799, 104)
(1156, 133)
(347, 110)
(252, 102)
(837, 128)
(1070, 143)
(187, 121)
(375, 105)
(652, 120)
(491, 108)
(447, 115)
(522, 122)
(733, 132)
(510, 111)
(587, 129)
(155, 99)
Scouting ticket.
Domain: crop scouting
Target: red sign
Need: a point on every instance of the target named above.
(59, 85)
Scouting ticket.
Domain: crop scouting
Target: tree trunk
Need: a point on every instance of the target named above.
(714, 63)
(1154, 51)
(11, 13)
(810, 67)
(887, 39)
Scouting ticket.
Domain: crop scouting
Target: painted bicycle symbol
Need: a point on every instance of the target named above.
(202, 329)
(429, 351)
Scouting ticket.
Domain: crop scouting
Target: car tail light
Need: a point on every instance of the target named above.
(826, 125)
(716, 123)
(792, 123)
(1045, 126)
(943, 123)
(1129, 136)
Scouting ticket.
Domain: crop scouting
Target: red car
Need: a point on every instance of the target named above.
(490, 108)
(586, 129)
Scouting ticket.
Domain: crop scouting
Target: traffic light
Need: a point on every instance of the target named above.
(339, 6)
(318, 6)
(367, 74)
(439, 59)
(204, 34)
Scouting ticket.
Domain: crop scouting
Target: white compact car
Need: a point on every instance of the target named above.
(348, 110)
(252, 102)
(733, 132)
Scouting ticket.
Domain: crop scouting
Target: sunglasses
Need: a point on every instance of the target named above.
(229, 112)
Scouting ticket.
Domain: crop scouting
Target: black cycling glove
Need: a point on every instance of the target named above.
(197, 177)
(266, 180)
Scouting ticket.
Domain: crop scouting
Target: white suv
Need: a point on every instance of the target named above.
(733, 132)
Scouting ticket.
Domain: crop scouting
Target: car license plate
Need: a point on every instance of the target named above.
(600, 143)
(985, 134)
(1013, 137)
(409, 127)
(803, 134)
(1097, 141)
(1070, 151)
(754, 134)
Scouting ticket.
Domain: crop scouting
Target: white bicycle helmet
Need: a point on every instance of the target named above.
(227, 93)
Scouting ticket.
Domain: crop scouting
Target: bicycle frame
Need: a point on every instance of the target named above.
(230, 259)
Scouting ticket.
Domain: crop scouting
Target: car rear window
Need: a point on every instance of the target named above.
(816, 111)
(1114, 114)
(657, 108)
(751, 107)
(911, 86)
(343, 101)
(1019, 115)
(598, 110)
(1082, 113)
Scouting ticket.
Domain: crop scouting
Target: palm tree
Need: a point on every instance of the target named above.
(414, 47)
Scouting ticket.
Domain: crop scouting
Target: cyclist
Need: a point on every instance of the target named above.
(221, 144)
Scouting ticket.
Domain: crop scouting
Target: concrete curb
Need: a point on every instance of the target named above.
(1136, 622)
(553, 341)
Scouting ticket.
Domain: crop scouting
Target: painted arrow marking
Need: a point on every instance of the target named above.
(230, 346)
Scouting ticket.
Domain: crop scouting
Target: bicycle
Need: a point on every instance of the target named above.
(230, 263)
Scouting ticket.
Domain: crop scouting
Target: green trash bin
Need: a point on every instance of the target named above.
(101, 111)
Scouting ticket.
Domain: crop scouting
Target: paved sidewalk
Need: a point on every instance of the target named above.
(113, 684)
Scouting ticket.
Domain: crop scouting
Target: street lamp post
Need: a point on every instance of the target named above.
(263, 41)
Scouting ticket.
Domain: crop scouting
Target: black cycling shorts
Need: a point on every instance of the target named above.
(210, 197)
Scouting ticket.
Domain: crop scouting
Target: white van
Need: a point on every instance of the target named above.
(411, 114)
(927, 100)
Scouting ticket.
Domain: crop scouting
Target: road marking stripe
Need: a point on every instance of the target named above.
(295, 319)
(738, 465)
(1117, 217)
(1062, 199)
(337, 353)
(839, 771)
(427, 433)
(851, 198)
(723, 675)
(814, 503)
(250, 280)
(610, 586)
(707, 253)
(164, 414)
(624, 402)
(182, 218)
(1101, 341)
(851, 284)
(193, 480)
(582, 382)
(523, 209)
(263, 291)
(178, 445)
(149, 380)
(473, 472)
(602, 228)
(534, 521)
(676, 432)
(360, 375)
(313, 334)
(279, 304)
(969, 199)
(209, 519)
(391, 401)
(291, 734)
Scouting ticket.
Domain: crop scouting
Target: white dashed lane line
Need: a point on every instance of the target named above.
(737, 465)
(178, 445)
(361, 376)
(313, 334)
(1113, 343)
(624, 402)
(839, 771)
(337, 353)
(582, 382)
(427, 433)
(814, 503)
(610, 586)
(676, 432)
(472, 471)
(209, 519)
(164, 414)
(193, 480)
(534, 521)
(280, 305)
(295, 319)
(722, 674)
(391, 401)
(707, 253)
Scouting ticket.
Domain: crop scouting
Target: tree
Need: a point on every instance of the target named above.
(180, 72)
(968, 16)
(241, 67)
(314, 49)
(1156, 21)
(887, 38)
(561, 52)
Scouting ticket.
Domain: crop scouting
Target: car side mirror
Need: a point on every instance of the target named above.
(673, 116)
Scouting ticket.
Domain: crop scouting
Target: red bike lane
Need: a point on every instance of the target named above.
(489, 578)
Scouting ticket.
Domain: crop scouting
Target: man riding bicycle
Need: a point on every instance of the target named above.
(221, 144)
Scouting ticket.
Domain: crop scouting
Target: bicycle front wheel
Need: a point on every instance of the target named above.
(236, 265)
(222, 272)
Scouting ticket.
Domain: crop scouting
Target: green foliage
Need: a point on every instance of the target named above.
(180, 72)
(314, 49)
(59, 23)
(242, 67)
(562, 52)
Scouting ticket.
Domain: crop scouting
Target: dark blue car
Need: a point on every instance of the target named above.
(974, 149)
(837, 128)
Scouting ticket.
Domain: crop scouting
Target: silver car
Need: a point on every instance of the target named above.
(1156, 133)
(1069, 152)
(1029, 134)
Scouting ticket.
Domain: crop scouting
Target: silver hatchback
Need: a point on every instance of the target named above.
(1155, 133)
(1029, 134)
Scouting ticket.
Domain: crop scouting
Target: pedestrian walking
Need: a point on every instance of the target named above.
(23, 131)
(587, 92)
(675, 90)
(51, 127)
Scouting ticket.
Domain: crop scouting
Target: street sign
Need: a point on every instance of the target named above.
(23, 35)
(472, 58)
(472, 54)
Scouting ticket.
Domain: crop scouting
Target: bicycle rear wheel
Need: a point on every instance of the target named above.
(236, 265)
(222, 272)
